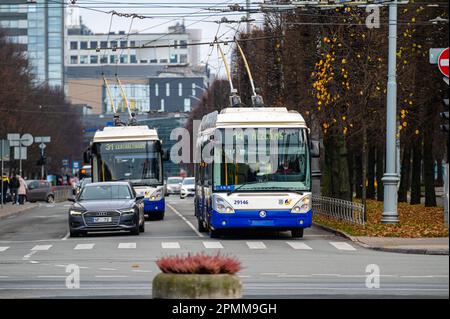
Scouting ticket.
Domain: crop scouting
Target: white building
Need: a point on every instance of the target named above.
(87, 48)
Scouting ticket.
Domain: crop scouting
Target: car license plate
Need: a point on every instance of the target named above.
(102, 219)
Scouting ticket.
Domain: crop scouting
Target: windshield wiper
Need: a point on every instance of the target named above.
(282, 189)
(248, 183)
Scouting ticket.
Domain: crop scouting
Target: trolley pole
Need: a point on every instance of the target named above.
(390, 178)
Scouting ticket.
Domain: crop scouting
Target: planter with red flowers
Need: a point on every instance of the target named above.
(197, 276)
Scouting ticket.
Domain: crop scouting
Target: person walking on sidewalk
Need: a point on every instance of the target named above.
(22, 190)
(5, 187)
(13, 188)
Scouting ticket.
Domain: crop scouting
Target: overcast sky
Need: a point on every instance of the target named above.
(165, 13)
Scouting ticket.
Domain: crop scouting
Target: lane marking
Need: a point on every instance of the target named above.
(4, 277)
(138, 270)
(272, 273)
(29, 255)
(298, 245)
(212, 245)
(51, 276)
(293, 276)
(41, 247)
(185, 220)
(65, 237)
(106, 276)
(256, 245)
(127, 246)
(34, 262)
(4, 248)
(342, 245)
(84, 246)
(170, 245)
(108, 269)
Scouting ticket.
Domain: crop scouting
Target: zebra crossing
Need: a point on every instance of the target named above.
(193, 245)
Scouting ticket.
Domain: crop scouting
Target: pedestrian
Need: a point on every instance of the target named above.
(4, 190)
(13, 188)
(22, 191)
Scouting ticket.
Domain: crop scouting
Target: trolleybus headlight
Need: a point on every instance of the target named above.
(156, 195)
(302, 206)
(221, 206)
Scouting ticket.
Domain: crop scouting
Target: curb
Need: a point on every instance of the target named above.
(18, 211)
(442, 252)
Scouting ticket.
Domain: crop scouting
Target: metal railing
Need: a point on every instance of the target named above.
(339, 209)
(62, 193)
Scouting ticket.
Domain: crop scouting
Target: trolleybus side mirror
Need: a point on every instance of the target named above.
(165, 155)
(87, 156)
(315, 148)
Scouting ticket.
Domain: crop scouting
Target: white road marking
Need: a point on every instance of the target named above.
(244, 276)
(34, 262)
(298, 245)
(342, 245)
(256, 245)
(105, 276)
(65, 237)
(185, 220)
(293, 276)
(171, 245)
(272, 273)
(41, 247)
(4, 248)
(138, 270)
(212, 245)
(67, 205)
(51, 276)
(84, 246)
(4, 277)
(127, 246)
(29, 255)
(108, 269)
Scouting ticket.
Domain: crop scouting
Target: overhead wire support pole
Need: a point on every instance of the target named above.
(390, 178)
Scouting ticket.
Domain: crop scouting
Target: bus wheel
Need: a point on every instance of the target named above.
(214, 233)
(297, 233)
(201, 226)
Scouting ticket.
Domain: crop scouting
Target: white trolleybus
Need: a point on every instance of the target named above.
(134, 154)
(254, 171)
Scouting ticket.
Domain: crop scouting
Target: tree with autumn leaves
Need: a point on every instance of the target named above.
(333, 69)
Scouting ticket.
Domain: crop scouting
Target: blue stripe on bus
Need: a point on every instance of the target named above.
(154, 206)
(251, 218)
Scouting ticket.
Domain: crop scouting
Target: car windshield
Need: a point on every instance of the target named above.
(188, 181)
(174, 180)
(105, 192)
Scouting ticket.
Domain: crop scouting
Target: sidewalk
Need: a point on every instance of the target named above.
(10, 209)
(427, 246)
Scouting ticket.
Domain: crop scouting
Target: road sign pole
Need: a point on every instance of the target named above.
(390, 178)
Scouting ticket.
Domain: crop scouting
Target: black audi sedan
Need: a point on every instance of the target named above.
(108, 206)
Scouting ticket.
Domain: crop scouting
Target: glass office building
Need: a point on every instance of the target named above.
(39, 27)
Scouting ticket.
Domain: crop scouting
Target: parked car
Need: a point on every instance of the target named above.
(173, 185)
(107, 206)
(40, 190)
(187, 187)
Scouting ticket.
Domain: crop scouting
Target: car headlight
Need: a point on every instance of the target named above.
(127, 211)
(222, 206)
(74, 212)
(302, 206)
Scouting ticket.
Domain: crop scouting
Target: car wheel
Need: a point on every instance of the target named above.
(135, 230)
(161, 215)
(74, 233)
(142, 227)
(50, 199)
(297, 233)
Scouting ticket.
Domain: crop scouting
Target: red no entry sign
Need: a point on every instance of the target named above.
(443, 62)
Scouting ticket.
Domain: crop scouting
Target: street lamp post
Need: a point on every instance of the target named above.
(390, 178)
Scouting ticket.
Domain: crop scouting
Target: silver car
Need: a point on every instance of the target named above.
(187, 187)
(173, 185)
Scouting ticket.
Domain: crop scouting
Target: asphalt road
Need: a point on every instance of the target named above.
(35, 251)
